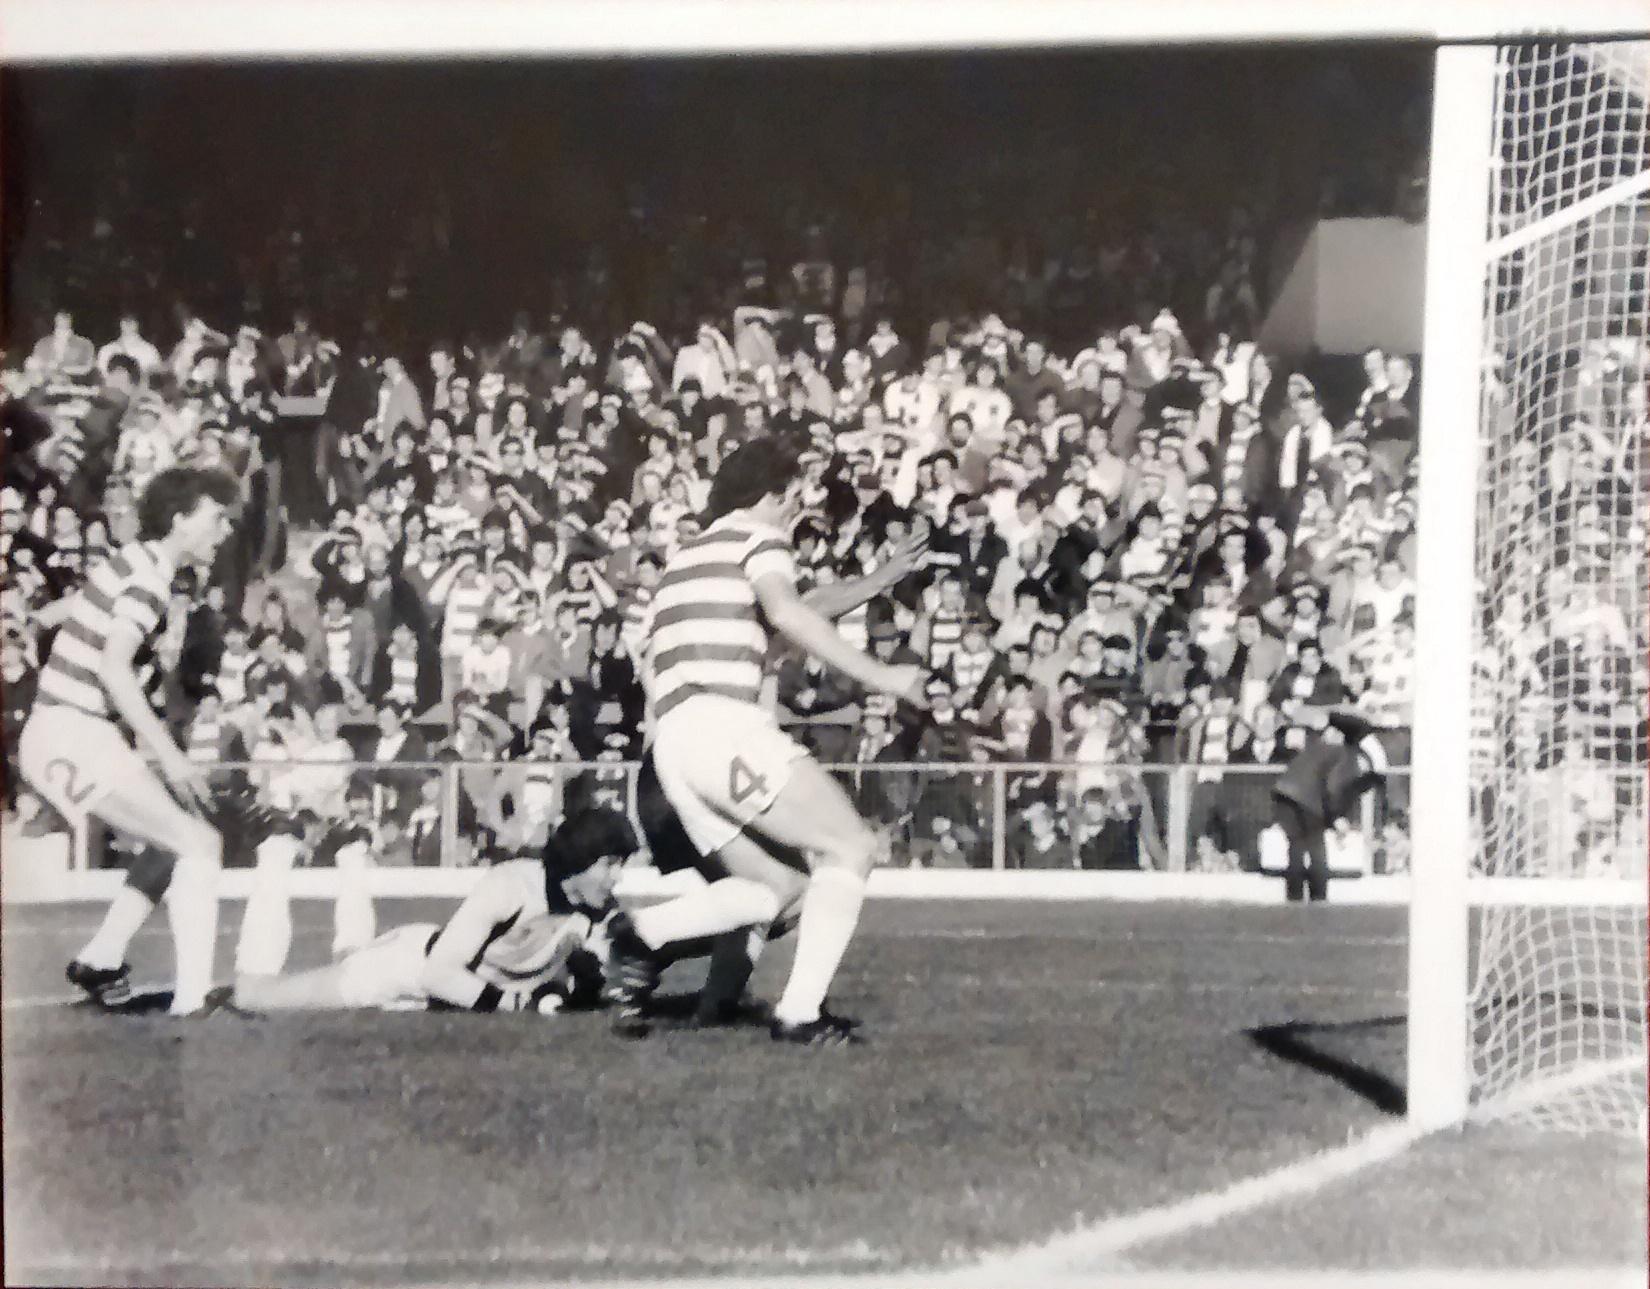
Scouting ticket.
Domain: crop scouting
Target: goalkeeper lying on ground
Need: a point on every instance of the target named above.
(529, 937)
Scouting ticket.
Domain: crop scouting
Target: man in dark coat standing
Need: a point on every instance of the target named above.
(1322, 783)
(980, 551)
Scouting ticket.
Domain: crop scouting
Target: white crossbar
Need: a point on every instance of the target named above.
(1617, 194)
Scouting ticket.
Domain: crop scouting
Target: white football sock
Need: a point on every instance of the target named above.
(192, 909)
(830, 912)
(354, 922)
(732, 959)
(129, 910)
(266, 926)
(728, 904)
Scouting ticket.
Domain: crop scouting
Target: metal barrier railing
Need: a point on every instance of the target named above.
(1001, 815)
(1163, 817)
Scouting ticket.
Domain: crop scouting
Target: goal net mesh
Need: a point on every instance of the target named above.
(1560, 686)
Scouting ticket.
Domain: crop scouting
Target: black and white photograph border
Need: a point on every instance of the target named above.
(1437, 1078)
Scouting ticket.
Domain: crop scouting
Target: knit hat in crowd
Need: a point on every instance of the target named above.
(1307, 591)
(1114, 706)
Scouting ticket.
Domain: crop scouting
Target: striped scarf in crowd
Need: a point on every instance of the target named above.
(403, 676)
(945, 633)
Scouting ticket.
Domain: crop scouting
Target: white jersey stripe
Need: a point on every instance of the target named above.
(744, 676)
(691, 568)
(724, 594)
(710, 631)
(706, 633)
(130, 588)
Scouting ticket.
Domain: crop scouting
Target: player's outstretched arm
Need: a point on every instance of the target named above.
(812, 631)
(834, 599)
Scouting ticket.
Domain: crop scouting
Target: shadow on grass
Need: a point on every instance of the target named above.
(152, 1002)
(1304, 1043)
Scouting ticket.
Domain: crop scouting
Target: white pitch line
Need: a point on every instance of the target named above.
(1099, 934)
(65, 1000)
(1424, 1278)
(1183, 990)
(155, 1261)
(963, 933)
(1106, 1241)
(1180, 988)
(87, 1270)
(143, 933)
(27, 1004)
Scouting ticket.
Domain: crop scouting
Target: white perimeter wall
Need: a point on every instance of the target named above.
(1355, 283)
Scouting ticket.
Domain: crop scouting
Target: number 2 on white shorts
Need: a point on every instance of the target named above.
(63, 774)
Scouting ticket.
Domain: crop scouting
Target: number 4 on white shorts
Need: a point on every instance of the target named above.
(744, 782)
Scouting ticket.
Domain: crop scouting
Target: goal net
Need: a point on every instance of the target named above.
(1560, 689)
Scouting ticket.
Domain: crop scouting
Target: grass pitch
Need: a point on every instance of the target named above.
(1032, 1068)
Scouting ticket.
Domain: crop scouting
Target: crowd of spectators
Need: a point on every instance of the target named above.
(1157, 544)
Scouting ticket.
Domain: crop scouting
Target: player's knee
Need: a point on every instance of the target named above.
(789, 888)
(762, 903)
(790, 914)
(150, 874)
(856, 849)
(200, 848)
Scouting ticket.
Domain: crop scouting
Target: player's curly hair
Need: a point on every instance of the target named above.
(752, 471)
(586, 836)
(178, 491)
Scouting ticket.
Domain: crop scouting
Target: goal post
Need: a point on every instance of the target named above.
(1439, 1071)
(1529, 761)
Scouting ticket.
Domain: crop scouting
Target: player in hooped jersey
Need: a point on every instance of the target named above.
(89, 741)
(746, 794)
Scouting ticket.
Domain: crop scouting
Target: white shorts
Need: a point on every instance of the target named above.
(721, 763)
(75, 760)
(388, 973)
